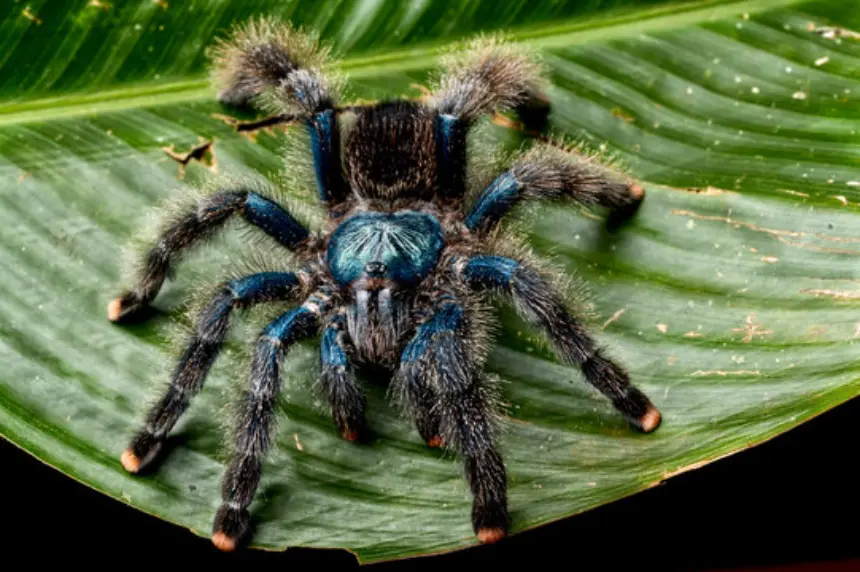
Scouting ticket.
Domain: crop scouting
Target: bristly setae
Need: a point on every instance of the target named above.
(394, 279)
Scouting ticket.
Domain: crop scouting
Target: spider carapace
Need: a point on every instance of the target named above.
(395, 277)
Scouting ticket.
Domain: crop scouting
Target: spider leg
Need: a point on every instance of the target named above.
(538, 301)
(188, 229)
(439, 362)
(256, 420)
(420, 398)
(198, 357)
(264, 57)
(490, 77)
(547, 172)
(338, 380)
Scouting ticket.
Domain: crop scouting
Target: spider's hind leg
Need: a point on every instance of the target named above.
(491, 77)
(197, 359)
(441, 367)
(547, 172)
(192, 227)
(265, 57)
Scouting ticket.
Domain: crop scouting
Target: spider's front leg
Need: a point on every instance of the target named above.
(538, 302)
(190, 228)
(256, 420)
(439, 364)
(338, 382)
(547, 172)
(194, 364)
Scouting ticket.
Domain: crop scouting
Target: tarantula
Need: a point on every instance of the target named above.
(393, 279)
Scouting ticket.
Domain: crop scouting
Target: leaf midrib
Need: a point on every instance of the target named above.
(565, 34)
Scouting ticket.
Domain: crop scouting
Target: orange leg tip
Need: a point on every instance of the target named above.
(491, 535)
(350, 435)
(129, 461)
(651, 420)
(114, 309)
(435, 442)
(223, 542)
(637, 192)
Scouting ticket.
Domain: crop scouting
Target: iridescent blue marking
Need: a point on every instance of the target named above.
(265, 284)
(287, 327)
(408, 243)
(450, 135)
(331, 353)
(444, 130)
(494, 202)
(448, 318)
(492, 271)
(320, 130)
(274, 220)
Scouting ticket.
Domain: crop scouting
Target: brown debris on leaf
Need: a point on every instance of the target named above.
(204, 152)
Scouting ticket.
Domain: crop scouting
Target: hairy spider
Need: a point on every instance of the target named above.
(394, 278)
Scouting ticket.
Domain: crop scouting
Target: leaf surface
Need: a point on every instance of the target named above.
(732, 297)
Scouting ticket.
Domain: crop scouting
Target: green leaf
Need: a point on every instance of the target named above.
(732, 297)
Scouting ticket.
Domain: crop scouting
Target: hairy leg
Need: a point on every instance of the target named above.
(547, 172)
(189, 228)
(490, 77)
(256, 421)
(266, 57)
(542, 305)
(338, 381)
(438, 364)
(197, 359)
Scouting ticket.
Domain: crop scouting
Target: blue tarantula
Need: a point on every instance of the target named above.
(393, 279)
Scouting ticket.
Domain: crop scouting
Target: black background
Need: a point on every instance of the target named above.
(793, 499)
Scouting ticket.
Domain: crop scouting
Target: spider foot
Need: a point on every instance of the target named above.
(230, 528)
(435, 442)
(127, 308)
(354, 431)
(143, 450)
(622, 214)
(491, 522)
(534, 113)
(649, 421)
(638, 409)
(351, 434)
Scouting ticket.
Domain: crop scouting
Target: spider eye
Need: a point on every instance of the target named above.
(375, 268)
